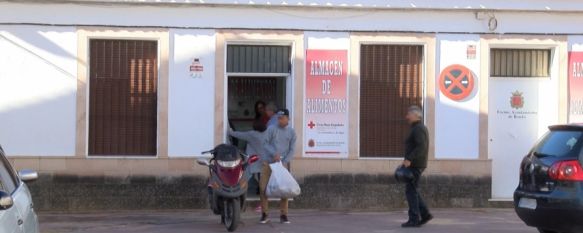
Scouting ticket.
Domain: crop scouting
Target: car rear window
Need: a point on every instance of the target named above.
(560, 143)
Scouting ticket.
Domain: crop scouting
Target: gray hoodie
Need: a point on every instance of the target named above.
(255, 146)
(280, 141)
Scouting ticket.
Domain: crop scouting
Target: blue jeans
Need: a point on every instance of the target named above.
(417, 207)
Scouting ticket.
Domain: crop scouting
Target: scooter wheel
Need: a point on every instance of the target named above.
(232, 214)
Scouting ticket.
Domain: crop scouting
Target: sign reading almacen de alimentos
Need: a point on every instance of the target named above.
(326, 104)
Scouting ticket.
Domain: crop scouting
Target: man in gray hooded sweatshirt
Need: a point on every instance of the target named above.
(281, 141)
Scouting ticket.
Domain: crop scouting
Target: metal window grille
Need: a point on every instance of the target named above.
(258, 59)
(123, 85)
(520, 63)
(390, 81)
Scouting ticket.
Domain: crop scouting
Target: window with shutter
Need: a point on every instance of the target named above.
(258, 59)
(520, 63)
(123, 84)
(390, 82)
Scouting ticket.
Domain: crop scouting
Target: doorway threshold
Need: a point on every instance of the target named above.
(270, 199)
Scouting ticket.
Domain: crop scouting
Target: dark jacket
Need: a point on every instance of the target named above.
(417, 145)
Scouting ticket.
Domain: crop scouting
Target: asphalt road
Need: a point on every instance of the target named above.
(303, 221)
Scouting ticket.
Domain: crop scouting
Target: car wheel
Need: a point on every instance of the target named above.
(545, 231)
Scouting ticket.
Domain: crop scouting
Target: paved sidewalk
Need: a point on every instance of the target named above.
(303, 221)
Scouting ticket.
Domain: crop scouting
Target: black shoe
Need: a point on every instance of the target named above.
(284, 219)
(264, 219)
(410, 224)
(425, 219)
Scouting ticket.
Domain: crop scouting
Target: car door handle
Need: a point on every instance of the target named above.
(20, 222)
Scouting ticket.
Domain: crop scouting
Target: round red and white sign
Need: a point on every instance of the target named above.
(456, 82)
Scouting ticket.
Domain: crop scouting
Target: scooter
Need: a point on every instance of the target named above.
(228, 182)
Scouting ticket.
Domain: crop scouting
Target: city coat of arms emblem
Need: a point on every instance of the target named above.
(517, 100)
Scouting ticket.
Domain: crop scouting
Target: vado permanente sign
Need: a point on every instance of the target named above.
(576, 87)
(326, 104)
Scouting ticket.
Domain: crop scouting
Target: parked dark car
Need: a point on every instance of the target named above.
(550, 192)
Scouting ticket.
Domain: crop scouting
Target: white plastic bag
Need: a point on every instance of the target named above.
(281, 183)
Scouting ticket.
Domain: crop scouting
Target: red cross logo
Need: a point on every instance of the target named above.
(311, 125)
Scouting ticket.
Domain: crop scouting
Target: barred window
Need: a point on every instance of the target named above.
(390, 82)
(123, 83)
(258, 59)
(521, 63)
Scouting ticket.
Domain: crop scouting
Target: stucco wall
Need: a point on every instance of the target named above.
(457, 122)
(38, 67)
(38, 81)
(191, 106)
(544, 5)
(416, 20)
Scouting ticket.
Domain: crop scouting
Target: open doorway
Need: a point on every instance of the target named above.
(245, 92)
(255, 73)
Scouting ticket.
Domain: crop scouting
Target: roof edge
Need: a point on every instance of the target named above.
(284, 5)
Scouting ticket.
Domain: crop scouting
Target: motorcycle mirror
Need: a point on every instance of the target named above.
(253, 159)
(203, 162)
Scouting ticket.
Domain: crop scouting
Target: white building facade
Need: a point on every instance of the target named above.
(491, 76)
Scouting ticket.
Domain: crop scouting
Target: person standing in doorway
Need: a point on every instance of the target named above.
(416, 151)
(270, 117)
(281, 141)
(259, 110)
(255, 146)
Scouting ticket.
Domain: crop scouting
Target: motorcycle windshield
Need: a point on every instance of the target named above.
(226, 152)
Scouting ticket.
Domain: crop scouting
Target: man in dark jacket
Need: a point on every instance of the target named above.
(416, 150)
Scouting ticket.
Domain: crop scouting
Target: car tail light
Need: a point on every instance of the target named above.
(570, 170)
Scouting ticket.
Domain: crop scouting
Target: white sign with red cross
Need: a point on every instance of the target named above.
(326, 104)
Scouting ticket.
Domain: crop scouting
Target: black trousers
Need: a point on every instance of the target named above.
(417, 207)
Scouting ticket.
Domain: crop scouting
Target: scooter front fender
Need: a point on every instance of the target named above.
(230, 191)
